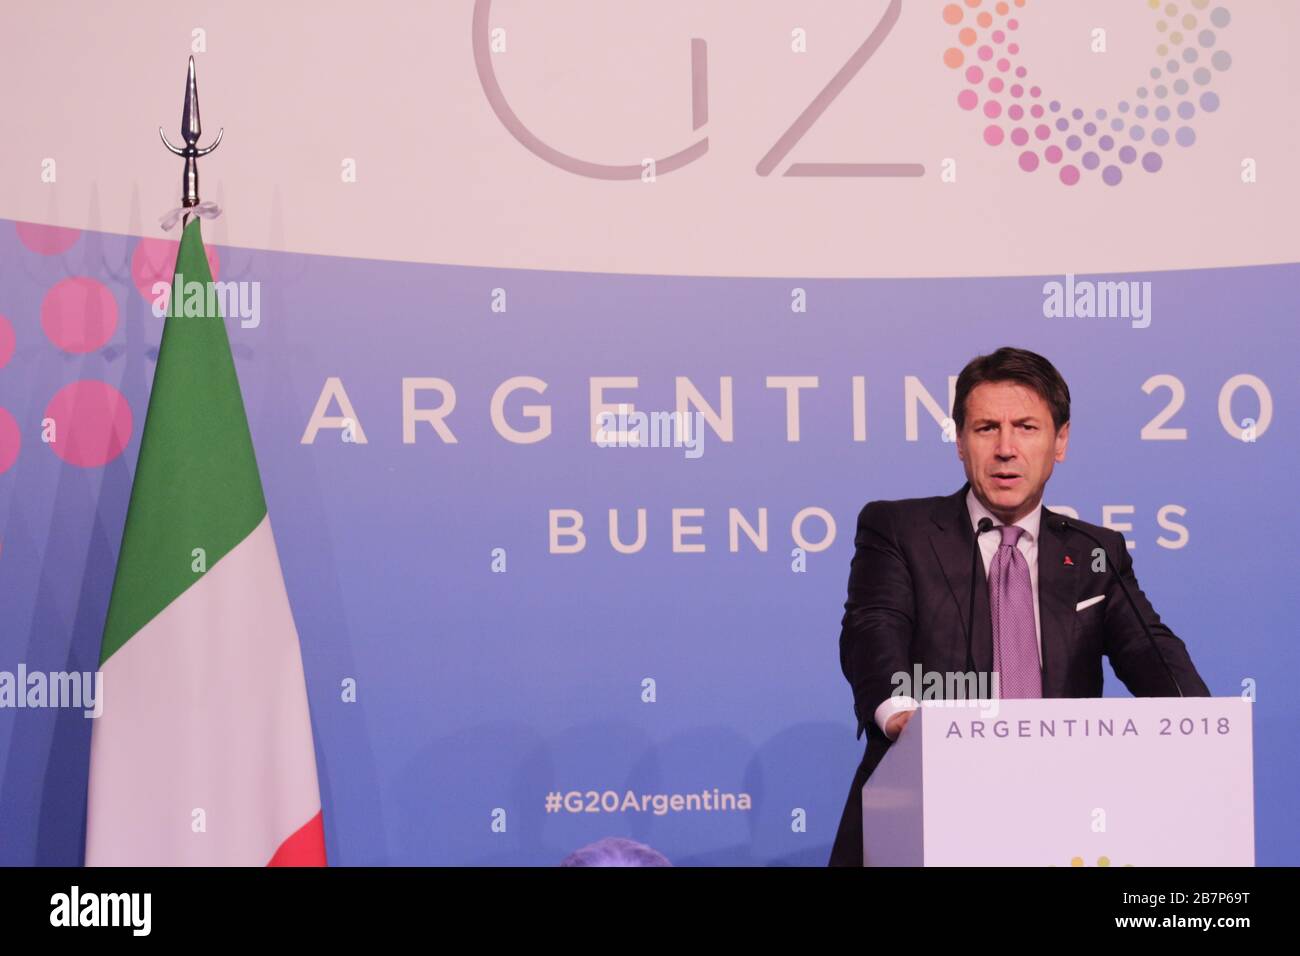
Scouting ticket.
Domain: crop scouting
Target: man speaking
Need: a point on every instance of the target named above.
(987, 580)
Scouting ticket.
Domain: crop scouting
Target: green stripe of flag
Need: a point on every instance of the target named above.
(196, 482)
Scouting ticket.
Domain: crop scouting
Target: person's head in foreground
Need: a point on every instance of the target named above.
(1012, 411)
(615, 851)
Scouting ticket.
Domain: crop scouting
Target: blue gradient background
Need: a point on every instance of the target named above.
(479, 690)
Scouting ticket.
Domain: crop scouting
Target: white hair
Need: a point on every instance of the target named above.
(615, 851)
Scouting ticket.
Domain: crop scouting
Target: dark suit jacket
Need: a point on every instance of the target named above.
(909, 593)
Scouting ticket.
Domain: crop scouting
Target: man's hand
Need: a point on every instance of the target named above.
(894, 725)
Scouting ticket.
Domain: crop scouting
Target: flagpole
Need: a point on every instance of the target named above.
(191, 152)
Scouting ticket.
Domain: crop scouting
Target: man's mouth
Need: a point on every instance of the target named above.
(1005, 479)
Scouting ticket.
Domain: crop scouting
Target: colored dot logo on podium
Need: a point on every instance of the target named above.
(1078, 861)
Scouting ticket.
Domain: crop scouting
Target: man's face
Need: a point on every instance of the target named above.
(1008, 447)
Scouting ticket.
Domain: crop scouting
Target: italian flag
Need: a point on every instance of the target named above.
(203, 754)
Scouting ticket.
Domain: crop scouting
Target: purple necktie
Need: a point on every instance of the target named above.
(1015, 640)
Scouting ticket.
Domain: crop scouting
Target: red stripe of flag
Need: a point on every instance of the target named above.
(304, 847)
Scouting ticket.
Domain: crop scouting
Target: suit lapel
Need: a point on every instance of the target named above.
(1058, 584)
(953, 541)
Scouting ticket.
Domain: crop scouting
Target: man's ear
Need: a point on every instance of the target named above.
(1062, 440)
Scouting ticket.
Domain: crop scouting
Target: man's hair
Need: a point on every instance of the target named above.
(1014, 365)
(615, 851)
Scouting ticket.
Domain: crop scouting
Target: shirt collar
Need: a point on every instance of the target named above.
(1029, 522)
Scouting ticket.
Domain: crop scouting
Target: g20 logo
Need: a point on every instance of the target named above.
(1043, 132)
(1075, 140)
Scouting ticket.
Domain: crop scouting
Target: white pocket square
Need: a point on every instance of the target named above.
(1090, 602)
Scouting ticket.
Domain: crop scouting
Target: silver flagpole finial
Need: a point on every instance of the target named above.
(191, 151)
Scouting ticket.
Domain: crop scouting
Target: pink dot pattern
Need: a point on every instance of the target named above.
(87, 423)
(92, 423)
(79, 315)
(47, 240)
(1072, 131)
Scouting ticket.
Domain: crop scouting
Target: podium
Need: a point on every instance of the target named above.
(1066, 782)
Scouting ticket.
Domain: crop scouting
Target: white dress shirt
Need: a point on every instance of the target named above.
(990, 541)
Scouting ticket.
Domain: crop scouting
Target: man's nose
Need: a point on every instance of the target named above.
(1005, 447)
